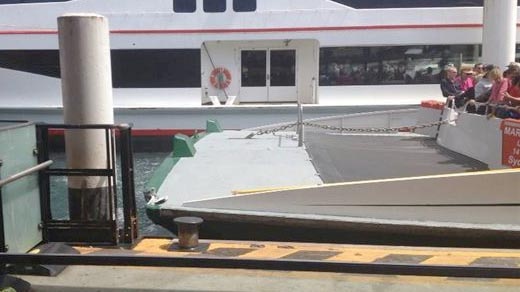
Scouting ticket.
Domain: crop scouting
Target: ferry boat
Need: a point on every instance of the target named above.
(186, 53)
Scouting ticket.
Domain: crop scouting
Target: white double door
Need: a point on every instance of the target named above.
(268, 75)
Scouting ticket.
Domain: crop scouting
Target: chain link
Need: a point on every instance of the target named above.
(355, 130)
(274, 130)
(377, 130)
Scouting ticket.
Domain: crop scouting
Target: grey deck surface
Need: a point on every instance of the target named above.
(249, 164)
(226, 162)
(342, 158)
(351, 157)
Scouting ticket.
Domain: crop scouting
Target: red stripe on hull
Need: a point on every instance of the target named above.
(144, 132)
(256, 30)
(163, 132)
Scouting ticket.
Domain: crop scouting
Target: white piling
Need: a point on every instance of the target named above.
(87, 99)
(499, 32)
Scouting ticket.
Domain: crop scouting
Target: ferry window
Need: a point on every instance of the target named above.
(283, 67)
(254, 68)
(184, 6)
(244, 5)
(391, 65)
(42, 62)
(156, 68)
(214, 5)
(166, 68)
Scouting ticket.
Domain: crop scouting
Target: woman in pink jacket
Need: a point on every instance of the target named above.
(499, 88)
(498, 91)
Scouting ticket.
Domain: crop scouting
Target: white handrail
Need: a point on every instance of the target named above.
(26, 172)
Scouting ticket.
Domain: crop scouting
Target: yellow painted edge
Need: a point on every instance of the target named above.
(346, 253)
(264, 190)
(410, 178)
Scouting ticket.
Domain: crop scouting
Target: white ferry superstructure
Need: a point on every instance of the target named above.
(270, 52)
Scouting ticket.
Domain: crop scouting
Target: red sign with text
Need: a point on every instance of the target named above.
(511, 143)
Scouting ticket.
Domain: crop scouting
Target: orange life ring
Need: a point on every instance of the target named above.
(220, 78)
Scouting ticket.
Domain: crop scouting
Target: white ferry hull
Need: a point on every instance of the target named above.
(305, 26)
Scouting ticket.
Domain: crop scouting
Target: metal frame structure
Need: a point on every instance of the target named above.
(273, 265)
(3, 246)
(92, 232)
(2, 236)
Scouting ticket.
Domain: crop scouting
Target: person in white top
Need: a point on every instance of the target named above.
(483, 87)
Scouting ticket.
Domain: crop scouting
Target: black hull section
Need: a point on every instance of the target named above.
(273, 228)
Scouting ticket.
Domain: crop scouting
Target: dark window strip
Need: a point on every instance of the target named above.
(244, 5)
(391, 65)
(154, 68)
(184, 6)
(214, 5)
(157, 68)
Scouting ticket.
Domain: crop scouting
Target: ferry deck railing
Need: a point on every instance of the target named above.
(92, 232)
(488, 107)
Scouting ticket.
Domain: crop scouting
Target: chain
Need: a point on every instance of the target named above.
(274, 130)
(377, 130)
(356, 130)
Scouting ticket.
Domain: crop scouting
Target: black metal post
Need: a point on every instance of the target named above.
(130, 230)
(42, 142)
(113, 180)
(2, 235)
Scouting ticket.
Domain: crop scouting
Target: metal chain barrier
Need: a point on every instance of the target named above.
(355, 130)
(274, 130)
(376, 130)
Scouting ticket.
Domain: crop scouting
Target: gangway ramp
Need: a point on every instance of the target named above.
(443, 203)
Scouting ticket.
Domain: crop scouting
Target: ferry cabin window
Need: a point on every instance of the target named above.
(244, 5)
(184, 6)
(391, 65)
(156, 68)
(175, 68)
(214, 5)
(41, 62)
(253, 68)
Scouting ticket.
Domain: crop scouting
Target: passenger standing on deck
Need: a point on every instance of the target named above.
(466, 83)
(483, 87)
(449, 87)
(479, 70)
(513, 66)
(513, 69)
(512, 96)
(498, 90)
(482, 90)
(465, 80)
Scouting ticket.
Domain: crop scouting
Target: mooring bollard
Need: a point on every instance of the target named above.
(188, 231)
(86, 80)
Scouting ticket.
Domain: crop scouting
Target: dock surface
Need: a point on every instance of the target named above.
(112, 278)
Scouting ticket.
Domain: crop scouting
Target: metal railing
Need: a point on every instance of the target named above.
(92, 232)
(489, 107)
(25, 173)
(205, 261)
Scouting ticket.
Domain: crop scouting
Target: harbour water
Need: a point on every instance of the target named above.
(144, 163)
